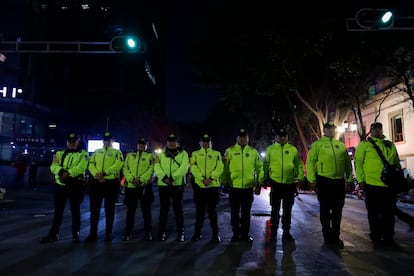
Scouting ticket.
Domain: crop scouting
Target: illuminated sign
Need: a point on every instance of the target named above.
(97, 144)
(14, 92)
(30, 140)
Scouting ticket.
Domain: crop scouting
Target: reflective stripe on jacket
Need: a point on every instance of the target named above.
(138, 165)
(176, 167)
(283, 163)
(108, 161)
(204, 164)
(74, 162)
(242, 167)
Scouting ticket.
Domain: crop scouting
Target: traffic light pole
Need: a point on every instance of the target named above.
(400, 24)
(61, 47)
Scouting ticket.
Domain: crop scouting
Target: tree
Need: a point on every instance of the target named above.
(403, 69)
(262, 71)
(306, 77)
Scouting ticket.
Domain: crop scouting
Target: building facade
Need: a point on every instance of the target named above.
(395, 111)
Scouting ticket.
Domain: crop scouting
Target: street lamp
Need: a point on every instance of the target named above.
(347, 130)
(354, 127)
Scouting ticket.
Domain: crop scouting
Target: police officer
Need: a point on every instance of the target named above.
(380, 199)
(206, 167)
(243, 175)
(69, 167)
(283, 167)
(138, 170)
(104, 167)
(170, 169)
(327, 165)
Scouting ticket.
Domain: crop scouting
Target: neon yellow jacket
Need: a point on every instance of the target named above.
(74, 162)
(368, 164)
(175, 168)
(329, 158)
(242, 167)
(138, 165)
(283, 164)
(107, 160)
(204, 164)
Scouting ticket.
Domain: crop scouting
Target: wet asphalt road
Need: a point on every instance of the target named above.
(26, 216)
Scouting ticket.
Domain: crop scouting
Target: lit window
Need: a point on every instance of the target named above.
(397, 128)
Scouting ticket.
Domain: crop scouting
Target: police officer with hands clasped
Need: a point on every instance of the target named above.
(105, 166)
(138, 170)
(69, 167)
(170, 168)
(283, 167)
(243, 175)
(206, 169)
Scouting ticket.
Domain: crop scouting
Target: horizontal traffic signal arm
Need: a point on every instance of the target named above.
(77, 47)
(372, 19)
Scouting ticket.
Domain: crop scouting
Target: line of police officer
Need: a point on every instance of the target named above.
(241, 170)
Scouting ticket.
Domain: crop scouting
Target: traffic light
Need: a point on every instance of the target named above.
(125, 44)
(375, 19)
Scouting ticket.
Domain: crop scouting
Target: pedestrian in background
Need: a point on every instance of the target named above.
(328, 165)
(170, 168)
(21, 168)
(68, 167)
(32, 175)
(138, 170)
(105, 167)
(243, 174)
(380, 200)
(206, 166)
(283, 168)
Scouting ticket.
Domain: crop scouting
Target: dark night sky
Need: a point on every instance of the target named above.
(185, 100)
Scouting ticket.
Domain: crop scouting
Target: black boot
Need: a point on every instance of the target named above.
(91, 238)
(76, 238)
(162, 235)
(216, 238)
(148, 236)
(196, 237)
(180, 236)
(108, 237)
(49, 238)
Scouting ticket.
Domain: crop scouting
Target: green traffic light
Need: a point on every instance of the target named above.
(125, 44)
(386, 17)
(375, 19)
(131, 43)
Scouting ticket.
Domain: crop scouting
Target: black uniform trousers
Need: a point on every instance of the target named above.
(240, 206)
(108, 191)
(281, 195)
(380, 203)
(206, 199)
(74, 192)
(145, 197)
(331, 197)
(167, 195)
